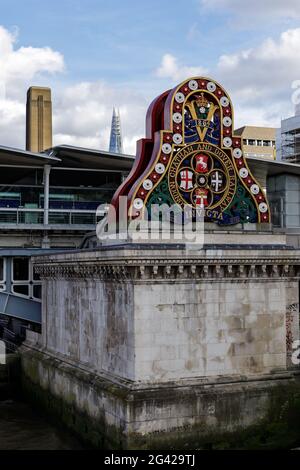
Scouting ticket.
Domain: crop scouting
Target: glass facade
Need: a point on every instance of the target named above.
(73, 195)
(284, 198)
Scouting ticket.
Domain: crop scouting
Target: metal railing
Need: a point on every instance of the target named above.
(21, 216)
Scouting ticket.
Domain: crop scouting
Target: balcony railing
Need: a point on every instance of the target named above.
(21, 216)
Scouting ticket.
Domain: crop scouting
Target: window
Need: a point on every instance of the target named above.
(84, 179)
(2, 274)
(24, 281)
(245, 141)
(20, 196)
(259, 142)
(21, 176)
(251, 142)
(267, 143)
(22, 289)
(21, 269)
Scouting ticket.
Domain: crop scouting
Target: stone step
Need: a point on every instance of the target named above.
(5, 391)
(3, 373)
(9, 374)
(4, 383)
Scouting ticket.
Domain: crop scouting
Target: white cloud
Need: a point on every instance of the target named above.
(82, 115)
(12, 123)
(264, 9)
(263, 75)
(18, 68)
(258, 79)
(170, 68)
(255, 115)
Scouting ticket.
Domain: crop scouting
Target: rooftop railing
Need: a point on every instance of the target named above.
(65, 217)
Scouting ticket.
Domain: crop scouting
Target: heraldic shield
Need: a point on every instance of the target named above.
(191, 157)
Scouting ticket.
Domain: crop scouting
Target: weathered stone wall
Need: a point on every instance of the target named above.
(169, 319)
(211, 328)
(244, 414)
(91, 322)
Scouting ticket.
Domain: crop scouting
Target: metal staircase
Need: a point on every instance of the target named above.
(19, 307)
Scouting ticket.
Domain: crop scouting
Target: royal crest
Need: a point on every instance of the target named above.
(191, 157)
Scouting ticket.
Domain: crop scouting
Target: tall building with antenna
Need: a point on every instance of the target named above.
(116, 144)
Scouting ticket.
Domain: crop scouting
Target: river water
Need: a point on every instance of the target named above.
(21, 428)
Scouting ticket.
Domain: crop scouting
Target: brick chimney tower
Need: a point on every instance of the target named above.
(38, 119)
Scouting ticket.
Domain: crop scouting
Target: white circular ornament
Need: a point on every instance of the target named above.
(224, 101)
(177, 118)
(237, 153)
(227, 142)
(177, 138)
(202, 109)
(193, 85)
(166, 148)
(263, 207)
(138, 203)
(243, 172)
(179, 97)
(160, 168)
(227, 121)
(147, 184)
(254, 189)
(211, 86)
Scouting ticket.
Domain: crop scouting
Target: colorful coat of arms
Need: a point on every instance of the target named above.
(190, 156)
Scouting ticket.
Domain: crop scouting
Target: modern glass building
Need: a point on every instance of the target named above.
(48, 202)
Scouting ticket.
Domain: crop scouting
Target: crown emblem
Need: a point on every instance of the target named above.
(202, 101)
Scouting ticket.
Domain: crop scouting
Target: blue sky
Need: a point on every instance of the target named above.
(124, 40)
(125, 52)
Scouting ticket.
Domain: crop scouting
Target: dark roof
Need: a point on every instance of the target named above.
(67, 156)
(239, 131)
(273, 167)
(70, 156)
(12, 156)
(89, 158)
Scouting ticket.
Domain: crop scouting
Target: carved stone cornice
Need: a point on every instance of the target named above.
(170, 269)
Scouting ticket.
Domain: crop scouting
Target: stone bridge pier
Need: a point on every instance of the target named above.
(159, 347)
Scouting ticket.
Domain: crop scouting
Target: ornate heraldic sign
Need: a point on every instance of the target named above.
(191, 157)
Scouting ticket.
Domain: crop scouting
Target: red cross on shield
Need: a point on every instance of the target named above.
(201, 163)
(201, 199)
(186, 179)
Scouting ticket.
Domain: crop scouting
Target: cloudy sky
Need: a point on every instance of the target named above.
(95, 54)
